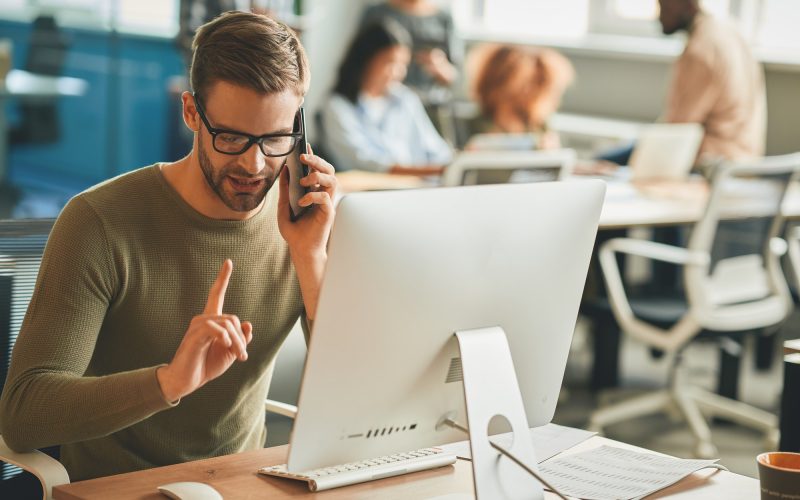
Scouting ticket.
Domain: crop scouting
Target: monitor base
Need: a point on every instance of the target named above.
(491, 390)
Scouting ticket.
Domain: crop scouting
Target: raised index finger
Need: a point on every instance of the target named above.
(216, 296)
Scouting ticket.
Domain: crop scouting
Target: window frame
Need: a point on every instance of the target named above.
(629, 41)
(100, 16)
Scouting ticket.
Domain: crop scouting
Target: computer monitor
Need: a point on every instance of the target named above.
(407, 269)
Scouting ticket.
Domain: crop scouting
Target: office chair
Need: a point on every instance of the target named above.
(496, 167)
(22, 243)
(735, 294)
(46, 53)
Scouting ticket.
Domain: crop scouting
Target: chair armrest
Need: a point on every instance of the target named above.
(47, 470)
(279, 408)
(778, 246)
(656, 251)
(667, 340)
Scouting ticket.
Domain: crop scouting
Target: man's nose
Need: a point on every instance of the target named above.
(253, 160)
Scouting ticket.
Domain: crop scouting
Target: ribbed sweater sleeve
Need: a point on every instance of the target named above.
(47, 398)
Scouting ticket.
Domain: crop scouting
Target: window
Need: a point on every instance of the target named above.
(544, 18)
(640, 17)
(148, 17)
(778, 26)
(770, 25)
(157, 17)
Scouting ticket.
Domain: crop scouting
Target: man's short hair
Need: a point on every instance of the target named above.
(249, 50)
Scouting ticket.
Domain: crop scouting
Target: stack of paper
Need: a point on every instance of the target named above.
(607, 472)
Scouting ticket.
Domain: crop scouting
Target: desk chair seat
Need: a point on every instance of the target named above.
(738, 294)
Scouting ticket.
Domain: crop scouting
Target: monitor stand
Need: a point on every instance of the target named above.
(491, 389)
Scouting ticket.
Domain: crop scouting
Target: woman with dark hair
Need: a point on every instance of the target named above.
(436, 50)
(372, 121)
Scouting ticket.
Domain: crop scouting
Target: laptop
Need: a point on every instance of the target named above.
(665, 151)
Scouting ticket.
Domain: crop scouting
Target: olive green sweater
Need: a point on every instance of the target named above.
(127, 266)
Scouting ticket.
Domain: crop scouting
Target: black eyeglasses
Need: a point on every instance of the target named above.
(232, 142)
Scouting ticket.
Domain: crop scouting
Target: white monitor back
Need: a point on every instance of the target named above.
(407, 269)
(666, 151)
(524, 165)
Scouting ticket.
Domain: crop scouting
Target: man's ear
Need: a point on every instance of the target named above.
(190, 116)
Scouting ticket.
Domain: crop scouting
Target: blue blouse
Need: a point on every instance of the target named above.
(376, 133)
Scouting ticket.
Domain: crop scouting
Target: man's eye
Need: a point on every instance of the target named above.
(232, 138)
(277, 141)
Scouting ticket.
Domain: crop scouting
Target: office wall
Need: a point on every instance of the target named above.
(635, 89)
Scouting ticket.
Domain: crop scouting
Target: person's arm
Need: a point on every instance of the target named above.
(437, 65)
(694, 89)
(47, 400)
(442, 63)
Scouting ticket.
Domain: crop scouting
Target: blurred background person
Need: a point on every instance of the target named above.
(716, 82)
(436, 51)
(374, 122)
(194, 13)
(517, 89)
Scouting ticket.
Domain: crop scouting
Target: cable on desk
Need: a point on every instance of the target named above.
(452, 423)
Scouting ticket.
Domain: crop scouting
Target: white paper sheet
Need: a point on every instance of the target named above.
(608, 472)
(548, 440)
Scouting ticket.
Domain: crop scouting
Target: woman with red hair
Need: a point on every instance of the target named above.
(518, 88)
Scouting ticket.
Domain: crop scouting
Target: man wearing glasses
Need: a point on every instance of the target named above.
(165, 293)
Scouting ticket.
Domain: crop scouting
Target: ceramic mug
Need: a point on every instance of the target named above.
(779, 472)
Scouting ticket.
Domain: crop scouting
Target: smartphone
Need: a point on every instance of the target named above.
(297, 169)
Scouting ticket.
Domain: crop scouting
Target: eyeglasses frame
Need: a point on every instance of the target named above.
(251, 139)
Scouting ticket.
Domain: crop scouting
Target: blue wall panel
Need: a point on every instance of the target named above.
(122, 123)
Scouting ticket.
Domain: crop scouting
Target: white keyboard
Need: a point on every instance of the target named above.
(366, 470)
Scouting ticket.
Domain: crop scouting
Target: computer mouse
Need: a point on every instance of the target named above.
(188, 490)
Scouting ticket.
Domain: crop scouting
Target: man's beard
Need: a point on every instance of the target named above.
(237, 201)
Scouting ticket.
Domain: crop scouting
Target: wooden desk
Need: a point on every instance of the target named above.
(791, 346)
(234, 476)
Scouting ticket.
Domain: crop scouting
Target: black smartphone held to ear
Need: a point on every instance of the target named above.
(297, 169)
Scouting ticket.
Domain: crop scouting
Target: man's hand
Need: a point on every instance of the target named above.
(307, 237)
(209, 347)
(309, 234)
